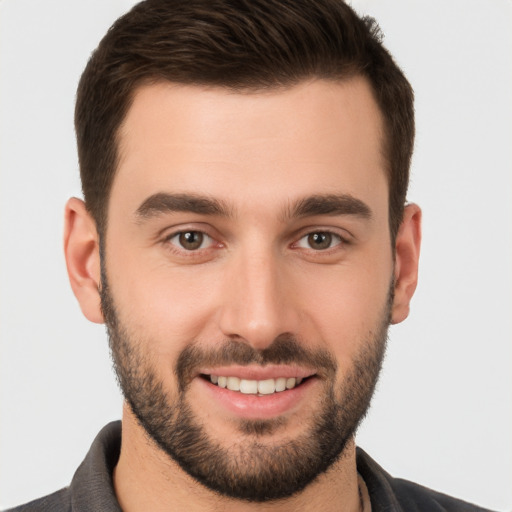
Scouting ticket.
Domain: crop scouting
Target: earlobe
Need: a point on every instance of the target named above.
(81, 250)
(407, 252)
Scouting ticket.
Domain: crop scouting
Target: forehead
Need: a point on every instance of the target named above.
(315, 137)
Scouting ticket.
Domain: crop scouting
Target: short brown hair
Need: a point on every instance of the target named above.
(241, 45)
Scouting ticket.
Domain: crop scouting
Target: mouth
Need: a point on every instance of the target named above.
(255, 387)
(255, 392)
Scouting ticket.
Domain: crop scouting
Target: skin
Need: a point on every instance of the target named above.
(256, 277)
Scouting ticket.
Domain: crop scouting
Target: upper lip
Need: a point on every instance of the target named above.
(254, 372)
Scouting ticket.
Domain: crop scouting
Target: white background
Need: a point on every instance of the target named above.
(443, 412)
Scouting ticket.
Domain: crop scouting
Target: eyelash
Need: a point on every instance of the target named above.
(177, 247)
(340, 240)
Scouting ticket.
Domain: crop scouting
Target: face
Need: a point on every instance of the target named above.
(247, 277)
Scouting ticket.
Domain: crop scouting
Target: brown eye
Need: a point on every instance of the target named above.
(191, 240)
(320, 241)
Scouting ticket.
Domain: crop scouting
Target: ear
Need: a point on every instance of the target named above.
(407, 253)
(82, 253)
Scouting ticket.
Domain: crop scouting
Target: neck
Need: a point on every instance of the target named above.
(145, 478)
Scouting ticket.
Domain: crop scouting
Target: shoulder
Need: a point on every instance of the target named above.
(418, 498)
(91, 487)
(59, 501)
(397, 495)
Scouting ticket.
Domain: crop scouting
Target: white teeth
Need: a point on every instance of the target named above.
(254, 387)
(290, 383)
(249, 387)
(233, 383)
(281, 384)
(266, 387)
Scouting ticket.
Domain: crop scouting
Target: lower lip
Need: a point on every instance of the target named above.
(256, 406)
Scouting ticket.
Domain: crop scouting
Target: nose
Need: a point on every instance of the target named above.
(258, 302)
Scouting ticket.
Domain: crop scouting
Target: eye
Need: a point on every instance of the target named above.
(319, 240)
(191, 240)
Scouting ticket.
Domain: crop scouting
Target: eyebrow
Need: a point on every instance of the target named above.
(319, 204)
(329, 204)
(161, 202)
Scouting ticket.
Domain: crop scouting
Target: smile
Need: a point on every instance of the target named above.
(257, 392)
(255, 387)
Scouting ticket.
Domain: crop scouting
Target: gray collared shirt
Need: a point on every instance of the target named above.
(92, 488)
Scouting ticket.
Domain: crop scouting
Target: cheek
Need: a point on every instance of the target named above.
(345, 307)
(168, 307)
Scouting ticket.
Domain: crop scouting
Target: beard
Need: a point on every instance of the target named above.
(249, 469)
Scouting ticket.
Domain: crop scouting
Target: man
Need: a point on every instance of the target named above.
(245, 238)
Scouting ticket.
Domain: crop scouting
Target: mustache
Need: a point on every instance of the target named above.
(285, 349)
